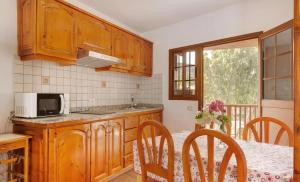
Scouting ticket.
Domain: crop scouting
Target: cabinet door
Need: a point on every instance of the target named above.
(147, 57)
(116, 145)
(99, 151)
(93, 34)
(135, 51)
(56, 30)
(26, 26)
(69, 154)
(120, 48)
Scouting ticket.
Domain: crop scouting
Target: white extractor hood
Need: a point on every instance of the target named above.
(94, 59)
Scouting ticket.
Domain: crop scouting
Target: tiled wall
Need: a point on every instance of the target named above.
(85, 86)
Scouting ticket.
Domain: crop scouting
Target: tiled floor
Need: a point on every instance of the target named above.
(127, 177)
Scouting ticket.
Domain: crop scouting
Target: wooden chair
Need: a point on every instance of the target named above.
(264, 130)
(154, 163)
(233, 148)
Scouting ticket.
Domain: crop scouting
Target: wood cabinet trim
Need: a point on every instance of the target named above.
(100, 19)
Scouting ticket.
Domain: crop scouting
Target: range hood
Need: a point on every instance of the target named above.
(94, 59)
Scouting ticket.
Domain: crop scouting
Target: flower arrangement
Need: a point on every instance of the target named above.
(214, 112)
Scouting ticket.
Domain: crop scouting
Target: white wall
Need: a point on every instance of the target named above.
(102, 15)
(8, 52)
(246, 17)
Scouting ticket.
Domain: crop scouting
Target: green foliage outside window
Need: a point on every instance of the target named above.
(231, 75)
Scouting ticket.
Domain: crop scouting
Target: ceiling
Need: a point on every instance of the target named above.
(146, 15)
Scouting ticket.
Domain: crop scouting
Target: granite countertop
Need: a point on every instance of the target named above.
(105, 112)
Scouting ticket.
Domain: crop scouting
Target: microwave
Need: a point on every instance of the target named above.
(33, 105)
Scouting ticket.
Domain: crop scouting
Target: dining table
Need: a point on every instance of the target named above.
(265, 162)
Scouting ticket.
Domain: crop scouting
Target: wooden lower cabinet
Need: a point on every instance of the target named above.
(81, 152)
(116, 145)
(99, 151)
(69, 154)
(130, 132)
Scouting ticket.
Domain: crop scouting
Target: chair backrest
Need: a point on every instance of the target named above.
(263, 135)
(154, 154)
(232, 148)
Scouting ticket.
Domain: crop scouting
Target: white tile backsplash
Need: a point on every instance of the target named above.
(86, 86)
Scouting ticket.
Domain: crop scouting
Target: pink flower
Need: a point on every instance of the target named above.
(216, 106)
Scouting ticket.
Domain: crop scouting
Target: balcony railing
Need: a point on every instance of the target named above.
(239, 115)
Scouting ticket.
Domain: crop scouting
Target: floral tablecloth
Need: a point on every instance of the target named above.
(265, 162)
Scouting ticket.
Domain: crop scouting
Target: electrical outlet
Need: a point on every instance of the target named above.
(103, 84)
(45, 80)
(190, 108)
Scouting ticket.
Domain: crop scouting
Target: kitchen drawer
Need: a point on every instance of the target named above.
(131, 122)
(128, 148)
(130, 134)
(146, 117)
(128, 160)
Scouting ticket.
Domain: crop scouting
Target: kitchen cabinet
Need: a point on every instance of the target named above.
(130, 132)
(82, 150)
(69, 153)
(120, 48)
(54, 30)
(107, 148)
(147, 57)
(99, 151)
(116, 145)
(93, 34)
(46, 30)
(135, 51)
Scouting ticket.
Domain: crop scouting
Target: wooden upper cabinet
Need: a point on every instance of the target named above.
(120, 48)
(99, 151)
(116, 145)
(56, 30)
(26, 26)
(147, 57)
(135, 52)
(69, 151)
(93, 34)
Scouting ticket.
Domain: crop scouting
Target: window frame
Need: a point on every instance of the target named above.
(199, 64)
(198, 73)
(274, 32)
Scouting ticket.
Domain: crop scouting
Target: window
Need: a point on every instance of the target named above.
(183, 75)
(277, 52)
(186, 68)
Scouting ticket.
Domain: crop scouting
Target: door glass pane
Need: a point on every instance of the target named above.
(192, 87)
(269, 89)
(269, 67)
(269, 47)
(283, 89)
(283, 65)
(178, 60)
(284, 41)
(187, 73)
(190, 58)
(178, 88)
(193, 72)
(178, 74)
(187, 58)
